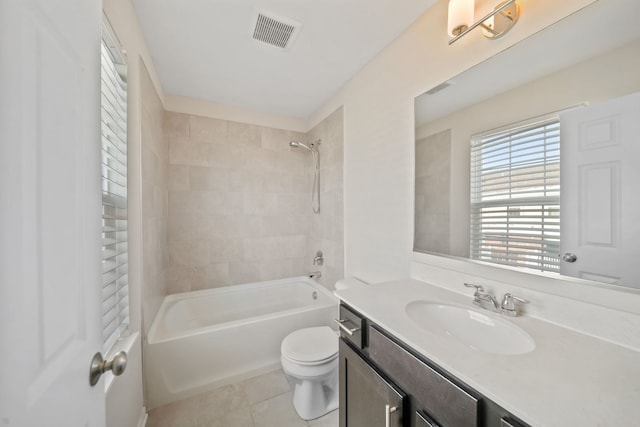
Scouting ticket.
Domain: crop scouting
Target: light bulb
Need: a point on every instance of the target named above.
(461, 15)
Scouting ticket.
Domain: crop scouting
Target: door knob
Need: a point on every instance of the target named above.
(99, 366)
(569, 257)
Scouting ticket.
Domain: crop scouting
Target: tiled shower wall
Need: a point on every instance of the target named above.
(237, 203)
(433, 174)
(155, 210)
(326, 230)
(240, 202)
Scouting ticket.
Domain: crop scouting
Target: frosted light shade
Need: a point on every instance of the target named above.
(461, 13)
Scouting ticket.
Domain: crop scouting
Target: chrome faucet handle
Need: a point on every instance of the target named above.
(480, 297)
(508, 302)
(479, 288)
(318, 259)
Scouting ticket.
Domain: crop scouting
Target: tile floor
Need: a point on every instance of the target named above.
(263, 401)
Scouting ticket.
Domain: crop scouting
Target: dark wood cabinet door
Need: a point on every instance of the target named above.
(447, 403)
(366, 398)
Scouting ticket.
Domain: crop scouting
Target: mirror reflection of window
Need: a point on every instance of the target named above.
(515, 196)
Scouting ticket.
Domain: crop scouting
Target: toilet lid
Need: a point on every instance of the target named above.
(310, 345)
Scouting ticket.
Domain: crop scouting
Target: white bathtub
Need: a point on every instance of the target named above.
(205, 339)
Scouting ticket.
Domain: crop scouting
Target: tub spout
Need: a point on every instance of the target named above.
(315, 275)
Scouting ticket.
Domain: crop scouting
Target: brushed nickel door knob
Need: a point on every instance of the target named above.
(99, 366)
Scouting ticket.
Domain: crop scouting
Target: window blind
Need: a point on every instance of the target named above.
(515, 196)
(115, 290)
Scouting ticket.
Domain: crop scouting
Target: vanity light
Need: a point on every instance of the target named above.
(495, 24)
(460, 16)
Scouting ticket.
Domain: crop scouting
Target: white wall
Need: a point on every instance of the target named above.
(379, 129)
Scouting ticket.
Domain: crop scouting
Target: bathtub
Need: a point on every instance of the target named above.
(205, 339)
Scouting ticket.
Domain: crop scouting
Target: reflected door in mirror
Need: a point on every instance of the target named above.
(601, 207)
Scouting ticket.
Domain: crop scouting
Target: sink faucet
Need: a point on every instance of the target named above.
(489, 302)
(491, 299)
(480, 297)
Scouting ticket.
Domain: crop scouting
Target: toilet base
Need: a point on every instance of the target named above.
(315, 397)
(312, 399)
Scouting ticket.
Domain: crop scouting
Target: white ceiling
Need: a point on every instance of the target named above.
(203, 48)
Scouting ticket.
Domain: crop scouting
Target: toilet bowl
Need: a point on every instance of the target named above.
(309, 359)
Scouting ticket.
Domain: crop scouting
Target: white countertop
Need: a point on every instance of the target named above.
(570, 379)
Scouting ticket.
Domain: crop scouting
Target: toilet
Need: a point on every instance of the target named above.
(309, 359)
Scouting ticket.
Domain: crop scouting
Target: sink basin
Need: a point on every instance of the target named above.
(480, 331)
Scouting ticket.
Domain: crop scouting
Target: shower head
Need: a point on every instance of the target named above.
(297, 144)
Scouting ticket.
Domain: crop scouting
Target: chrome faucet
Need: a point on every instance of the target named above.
(489, 302)
(480, 297)
(315, 275)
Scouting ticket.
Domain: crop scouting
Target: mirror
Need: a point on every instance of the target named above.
(582, 63)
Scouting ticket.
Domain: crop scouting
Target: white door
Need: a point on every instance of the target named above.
(600, 202)
(50, 317)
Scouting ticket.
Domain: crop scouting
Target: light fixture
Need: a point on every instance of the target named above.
(495, 24)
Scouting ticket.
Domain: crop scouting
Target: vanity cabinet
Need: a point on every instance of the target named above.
(367, 399)
(447, 402)
(385, 383)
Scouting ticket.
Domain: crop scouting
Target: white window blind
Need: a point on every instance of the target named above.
(515, 196)
(115, 291)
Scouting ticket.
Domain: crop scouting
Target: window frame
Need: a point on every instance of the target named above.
(115, 255)
(515, 216)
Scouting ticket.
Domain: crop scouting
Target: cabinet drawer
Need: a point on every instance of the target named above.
(352, 327)
(448, 404)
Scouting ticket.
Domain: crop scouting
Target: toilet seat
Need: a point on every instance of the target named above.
(310, 346)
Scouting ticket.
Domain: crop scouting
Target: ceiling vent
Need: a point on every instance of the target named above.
(275, 30)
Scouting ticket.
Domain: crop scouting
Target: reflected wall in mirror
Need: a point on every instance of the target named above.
(574, 72)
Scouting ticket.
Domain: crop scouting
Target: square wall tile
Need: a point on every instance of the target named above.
(244, 134)
(176, 124)
(207, 129)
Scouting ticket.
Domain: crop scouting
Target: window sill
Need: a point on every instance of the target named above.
(125, 343)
